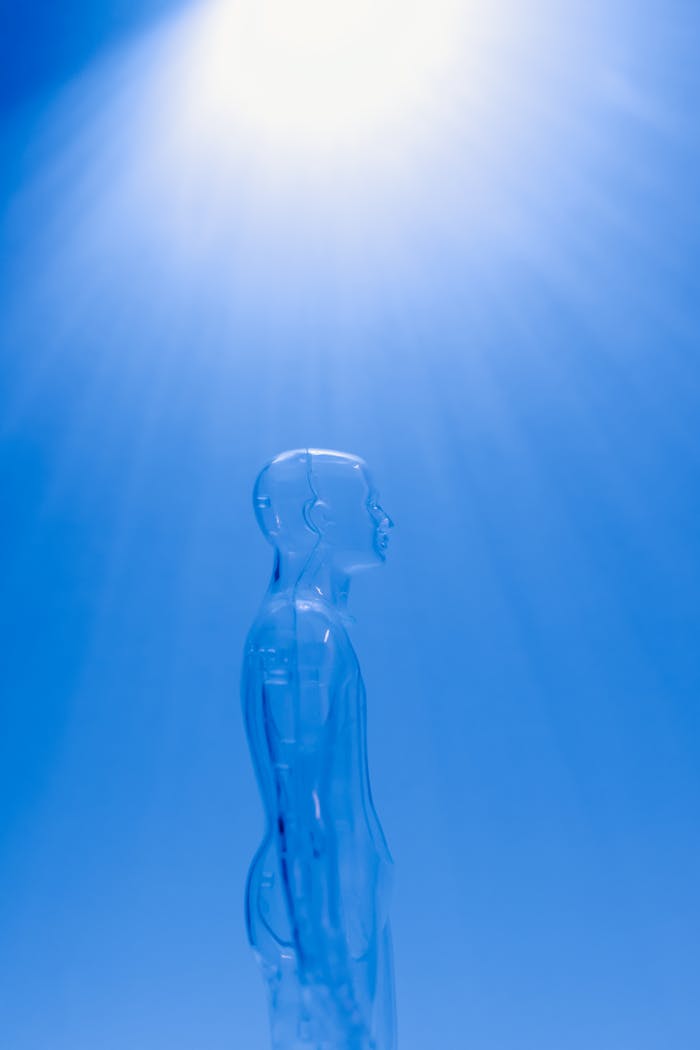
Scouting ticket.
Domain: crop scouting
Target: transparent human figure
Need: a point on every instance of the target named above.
(318, 887)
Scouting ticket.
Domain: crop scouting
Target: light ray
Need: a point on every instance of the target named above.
(313, 77)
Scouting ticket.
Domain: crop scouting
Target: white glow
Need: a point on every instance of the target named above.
(314, 76)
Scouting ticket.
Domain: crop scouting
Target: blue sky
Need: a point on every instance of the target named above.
(494, 300)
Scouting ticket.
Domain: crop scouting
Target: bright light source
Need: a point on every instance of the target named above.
(315, 75)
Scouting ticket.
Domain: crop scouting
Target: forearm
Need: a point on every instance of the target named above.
(325, 964)
(310, 878)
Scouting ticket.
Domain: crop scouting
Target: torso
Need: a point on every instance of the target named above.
(285, 636)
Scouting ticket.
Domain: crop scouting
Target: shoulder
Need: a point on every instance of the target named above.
(298, 624)
(317, 622)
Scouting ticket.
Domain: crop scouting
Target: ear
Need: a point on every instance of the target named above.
(318, 516)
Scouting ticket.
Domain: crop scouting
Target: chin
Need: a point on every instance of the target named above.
(369, 560)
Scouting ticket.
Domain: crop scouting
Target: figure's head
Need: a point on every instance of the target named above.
(316, 498)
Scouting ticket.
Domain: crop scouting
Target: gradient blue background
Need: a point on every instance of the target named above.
(509, 336)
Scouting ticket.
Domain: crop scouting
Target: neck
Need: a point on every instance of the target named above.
(314, 575)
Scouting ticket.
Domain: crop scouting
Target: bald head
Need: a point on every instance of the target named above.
(311, 497)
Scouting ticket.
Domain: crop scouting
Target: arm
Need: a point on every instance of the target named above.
(305, 675)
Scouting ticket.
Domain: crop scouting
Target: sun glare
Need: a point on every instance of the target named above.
(315, 76)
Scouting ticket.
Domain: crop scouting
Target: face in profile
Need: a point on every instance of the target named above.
(352, 524)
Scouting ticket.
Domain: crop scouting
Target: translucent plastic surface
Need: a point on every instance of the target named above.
(318, 887)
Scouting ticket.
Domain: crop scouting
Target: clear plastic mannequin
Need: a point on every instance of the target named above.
(318, 886)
